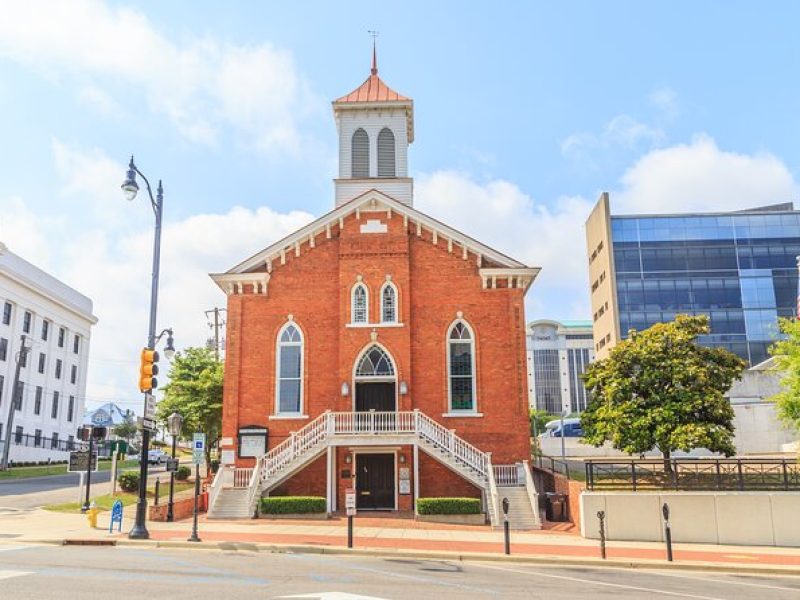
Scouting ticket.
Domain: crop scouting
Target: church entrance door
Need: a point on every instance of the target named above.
(375, 395)
(375, 482)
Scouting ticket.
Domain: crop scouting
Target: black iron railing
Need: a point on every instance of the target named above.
(39, 441)
(554, 465)
(743, 474)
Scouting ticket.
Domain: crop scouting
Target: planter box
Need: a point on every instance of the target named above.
(308, 516)
(181, 509)
(479, 519)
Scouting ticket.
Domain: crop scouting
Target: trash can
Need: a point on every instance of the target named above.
(556, 509)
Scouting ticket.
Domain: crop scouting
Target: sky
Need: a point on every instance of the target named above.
(524, 113)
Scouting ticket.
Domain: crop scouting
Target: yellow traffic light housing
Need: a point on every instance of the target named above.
(148, 370)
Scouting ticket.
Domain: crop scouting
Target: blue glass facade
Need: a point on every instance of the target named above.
(738, 268)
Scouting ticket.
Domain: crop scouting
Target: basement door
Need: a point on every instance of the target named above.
(375, 481)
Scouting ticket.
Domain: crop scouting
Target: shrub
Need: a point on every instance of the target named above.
(284, 505)
(214, 466)
(183, 472)
(448, 506)
(128, 481)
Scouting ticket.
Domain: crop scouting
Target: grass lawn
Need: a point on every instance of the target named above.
(44, 470)
(106, 501)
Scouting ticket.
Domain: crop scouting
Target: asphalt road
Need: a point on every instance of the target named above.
(36, 572)
(33, 492)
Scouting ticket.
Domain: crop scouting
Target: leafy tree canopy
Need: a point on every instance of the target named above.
(127, 430)
(659, 389)
(787, 357)
(195, 392)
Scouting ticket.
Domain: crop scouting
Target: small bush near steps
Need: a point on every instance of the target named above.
(448, 506)
(293, 505)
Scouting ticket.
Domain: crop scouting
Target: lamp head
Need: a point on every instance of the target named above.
(169, 351)
(174, 423)
(129, 186)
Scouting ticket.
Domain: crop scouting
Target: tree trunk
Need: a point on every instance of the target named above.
(667, 462)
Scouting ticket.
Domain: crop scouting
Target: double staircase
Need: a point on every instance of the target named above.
(235, 492)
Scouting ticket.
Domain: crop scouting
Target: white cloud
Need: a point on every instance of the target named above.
(622, 131)
(666, 101)
(200, 84)
(99, 100)
(698, 176)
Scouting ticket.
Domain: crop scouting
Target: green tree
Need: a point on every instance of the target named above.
(195, 392)
(538, 419)
(787, 357)
(127, 430)
(659, 389)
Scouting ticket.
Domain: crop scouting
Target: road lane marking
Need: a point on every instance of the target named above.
(600, 583)
(10, 574)
(744, 583)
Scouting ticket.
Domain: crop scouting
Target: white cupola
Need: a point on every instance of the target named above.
(375, 126)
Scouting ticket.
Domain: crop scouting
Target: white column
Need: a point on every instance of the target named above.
(329, 481)
(416, 476)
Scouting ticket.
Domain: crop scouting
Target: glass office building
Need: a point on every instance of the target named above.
(738, 268)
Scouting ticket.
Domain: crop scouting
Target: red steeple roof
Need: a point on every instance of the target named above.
(373, 89)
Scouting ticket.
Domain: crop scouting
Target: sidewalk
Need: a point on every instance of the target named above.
(385, 535)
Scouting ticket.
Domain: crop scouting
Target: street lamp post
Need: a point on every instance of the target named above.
(174, 424)
(130, 187)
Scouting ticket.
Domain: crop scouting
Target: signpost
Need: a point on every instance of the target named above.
(350, 508)
(198, 454)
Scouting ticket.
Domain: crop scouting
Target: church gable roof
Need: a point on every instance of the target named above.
(256, 269)
(372, 90)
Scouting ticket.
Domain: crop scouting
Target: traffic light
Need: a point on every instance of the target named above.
(148, 370)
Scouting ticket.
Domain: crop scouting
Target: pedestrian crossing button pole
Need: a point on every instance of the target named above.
(506, 531)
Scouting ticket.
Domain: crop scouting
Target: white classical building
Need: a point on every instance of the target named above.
(56, 321)
(558, 354)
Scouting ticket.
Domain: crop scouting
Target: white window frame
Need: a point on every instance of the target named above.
(278, 346)
(448, 342)
(390, 284)
(363, 286)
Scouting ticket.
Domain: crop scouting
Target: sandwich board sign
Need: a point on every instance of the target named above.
(198, 448)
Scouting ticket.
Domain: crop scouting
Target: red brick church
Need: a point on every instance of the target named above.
(375, 348)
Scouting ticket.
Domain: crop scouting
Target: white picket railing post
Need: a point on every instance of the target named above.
(372, 420)
(452, 441)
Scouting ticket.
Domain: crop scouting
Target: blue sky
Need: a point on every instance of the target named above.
(524, 112)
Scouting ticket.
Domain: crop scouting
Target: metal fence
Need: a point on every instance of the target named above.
(39, 441)
(554, 465)
(743, 474)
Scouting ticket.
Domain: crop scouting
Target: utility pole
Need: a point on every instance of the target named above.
(15, 391)
(216, 327)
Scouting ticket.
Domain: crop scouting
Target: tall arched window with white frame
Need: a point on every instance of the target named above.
(359, 153)
(359, 304)
(289, 371)
(461, 367)
(389, 303)
(387, 165)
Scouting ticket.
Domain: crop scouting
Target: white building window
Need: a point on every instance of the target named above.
(289, 370)
(360, 304)
(461, 367)
(386, 153)
(388, 303)
(359, 154)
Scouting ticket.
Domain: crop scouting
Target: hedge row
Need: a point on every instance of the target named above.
(448, 506)
(284, 505)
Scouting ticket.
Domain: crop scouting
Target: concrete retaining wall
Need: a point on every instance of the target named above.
(739, 518)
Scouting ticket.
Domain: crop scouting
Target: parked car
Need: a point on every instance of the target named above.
(156, 456)
(572, 428)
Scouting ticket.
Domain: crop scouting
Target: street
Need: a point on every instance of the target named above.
(33, 492)
(28, 571)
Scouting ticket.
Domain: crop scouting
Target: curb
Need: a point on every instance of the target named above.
(552, 561)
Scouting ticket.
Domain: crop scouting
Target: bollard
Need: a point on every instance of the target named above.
(506, 527)
(349, 531)
(667, 531)
(158, 486)
(601, 515)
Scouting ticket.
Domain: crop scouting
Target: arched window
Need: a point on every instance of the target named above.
(289, 370)
(360, 154)
(359, 313)
(386, 159)
(461, 367)
(375, 363)
(388, 303)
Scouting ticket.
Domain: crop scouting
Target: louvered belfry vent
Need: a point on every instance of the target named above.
(386, 158)
(360, 153)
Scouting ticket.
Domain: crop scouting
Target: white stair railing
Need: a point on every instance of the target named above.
(214, 491)
(295, 446)
(492, 497)
(509, 475)
(533, 496)
(444, 439)
(254, 491)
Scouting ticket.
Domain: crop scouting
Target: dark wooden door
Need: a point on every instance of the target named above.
(375, 396)
(375, 481)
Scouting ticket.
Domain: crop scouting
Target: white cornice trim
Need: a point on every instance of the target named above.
(515, 277)
(373, 198)
(234, 283)
(48, 294)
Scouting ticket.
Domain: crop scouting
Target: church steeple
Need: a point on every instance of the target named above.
(375, 126)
